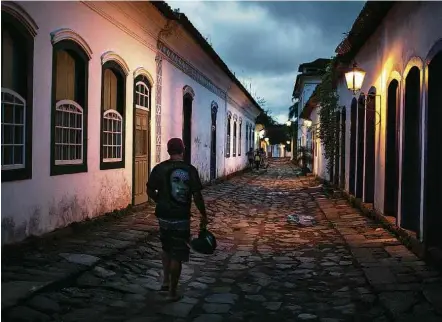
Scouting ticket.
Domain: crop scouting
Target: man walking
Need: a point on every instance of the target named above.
(172, 183)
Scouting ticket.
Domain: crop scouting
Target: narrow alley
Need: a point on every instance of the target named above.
(344, 267)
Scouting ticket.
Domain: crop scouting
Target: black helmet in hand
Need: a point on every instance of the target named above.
(205, 243)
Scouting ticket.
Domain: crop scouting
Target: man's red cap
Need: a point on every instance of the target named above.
(175, 146)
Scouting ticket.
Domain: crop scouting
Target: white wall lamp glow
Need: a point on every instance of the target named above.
(261, 134)
(354, 78)
(308, 123)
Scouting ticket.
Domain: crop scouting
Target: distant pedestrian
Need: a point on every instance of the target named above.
(250, 157)
(171, 185)
(257, 159)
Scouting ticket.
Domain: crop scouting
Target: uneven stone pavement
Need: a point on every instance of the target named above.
(343, 268)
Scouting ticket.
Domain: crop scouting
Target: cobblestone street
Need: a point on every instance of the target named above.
(343, 268)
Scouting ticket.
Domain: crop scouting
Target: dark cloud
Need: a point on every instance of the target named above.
(333, 17)
(300, 31)
(267, 41)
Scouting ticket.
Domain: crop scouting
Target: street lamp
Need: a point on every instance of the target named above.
(288, 142)
(267, 140)
(262, 133)
(354, 78)
(307, 123)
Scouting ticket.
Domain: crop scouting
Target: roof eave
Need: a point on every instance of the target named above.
(182, 19)
(364, 26)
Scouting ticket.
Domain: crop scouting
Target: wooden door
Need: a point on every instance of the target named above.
(187, 127)
(213, 147)
(141, 153)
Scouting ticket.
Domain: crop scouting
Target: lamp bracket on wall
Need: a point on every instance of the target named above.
(365, 99)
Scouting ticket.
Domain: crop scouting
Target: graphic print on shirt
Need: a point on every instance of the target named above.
(180, 185)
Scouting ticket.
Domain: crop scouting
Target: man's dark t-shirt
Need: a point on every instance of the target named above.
(175, 182)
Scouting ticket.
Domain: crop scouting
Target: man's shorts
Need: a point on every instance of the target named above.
(174, 236)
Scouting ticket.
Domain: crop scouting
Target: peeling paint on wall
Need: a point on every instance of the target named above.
(113, 194)
(12, 232)
(201, 158)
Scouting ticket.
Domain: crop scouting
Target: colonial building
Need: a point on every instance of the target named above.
(305, 85)
(392, 149)
(91, 92)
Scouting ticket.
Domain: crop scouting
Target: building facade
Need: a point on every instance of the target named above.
(91, 93)
(392, 154)
(305, 85)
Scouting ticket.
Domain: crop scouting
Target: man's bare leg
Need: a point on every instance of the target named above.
(175, 272)
(166, 271)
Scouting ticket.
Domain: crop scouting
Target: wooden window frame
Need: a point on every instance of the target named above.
(68, 107)
(82, 100)
(113, 116)
(25, 172)
(117, 69)
(235, 137)
(229, 125)
(239, 138)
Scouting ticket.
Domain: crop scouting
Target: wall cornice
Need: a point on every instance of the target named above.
(68, 34)
(112, 56)
(143, 71)
(188, 90)
(170, 29)
(15, 10)
(189, 69)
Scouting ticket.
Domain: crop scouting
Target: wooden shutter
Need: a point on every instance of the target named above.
(65, 78)
(7, 59)
(110, 90)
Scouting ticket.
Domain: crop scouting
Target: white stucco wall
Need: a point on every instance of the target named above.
(278, 151)
(402, 40)
(238, 162)
(55, 201)
(43, 203)
(308, 86)
(320, 164)
(172, 118)
(345, 98)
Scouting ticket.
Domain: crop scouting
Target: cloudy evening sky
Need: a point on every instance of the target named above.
(266, 41)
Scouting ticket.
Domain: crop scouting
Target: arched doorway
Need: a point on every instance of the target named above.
(433, 170)
(141, 138)
(343, 129)
(369, 157)
(187, 123)
(337, 150)
(352, 172)
(214, 111)
(360, 147)
(411, 157)
(391, 187)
